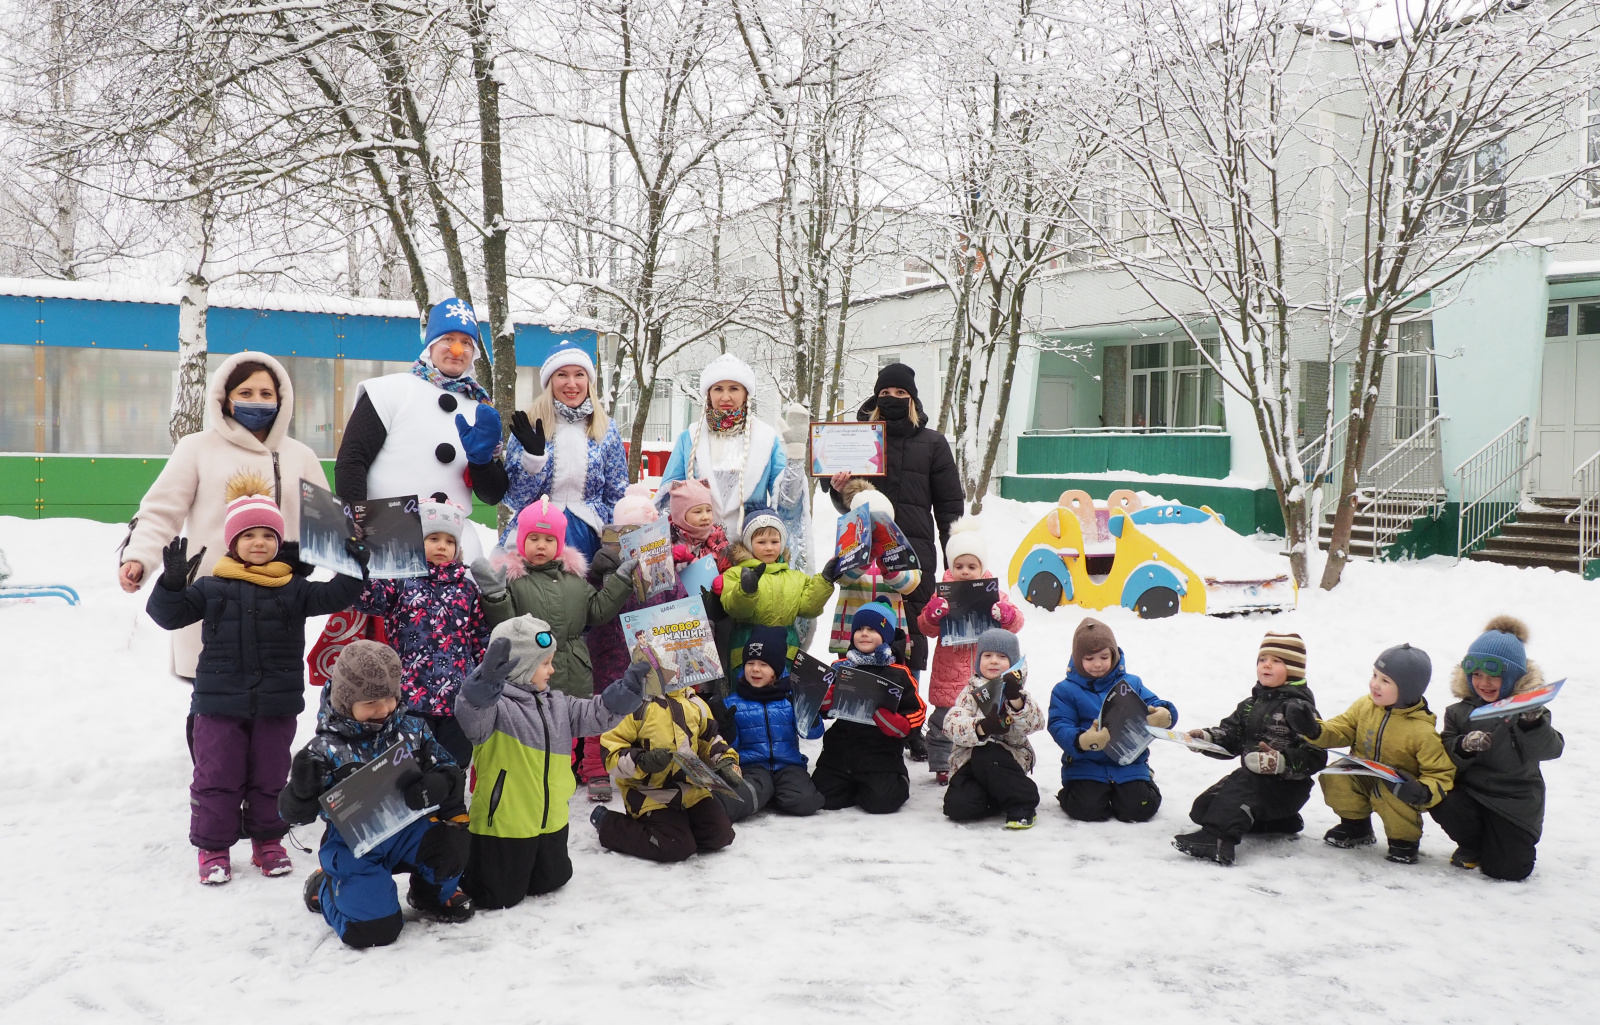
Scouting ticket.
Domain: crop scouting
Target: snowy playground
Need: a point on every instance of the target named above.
(905, 917)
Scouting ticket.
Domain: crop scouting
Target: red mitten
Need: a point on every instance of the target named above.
(1006, 613)
(891, 724)
(716, 586)
(937, 608)
(827, 701)
(681, 554)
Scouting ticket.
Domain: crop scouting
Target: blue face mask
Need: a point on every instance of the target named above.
(255, 416)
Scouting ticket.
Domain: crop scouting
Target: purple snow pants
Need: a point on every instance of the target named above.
(239, 766)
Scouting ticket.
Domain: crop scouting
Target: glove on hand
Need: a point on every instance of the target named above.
(1160, 718)
(480, 439)
(1266, 762)
(652, 760)
(439, 786)
(1531, 719)
(729, 771)
(444, 848)
(177, 567)
(891, 724)
(681, 554)
(306, 773)
(626, 694)
(1013, 687)
(991, 725)
(995, 613)
(1095, 738)
(491, 579)
(604, 563)
(529, 436)
(1476, 741)
(487, 681)
(1413, 792)
(289, 552)
(750, 578)
(626, 567)
(830, 570)
(1302, 719)
(936, 609)
(717, 585)
(358, 551)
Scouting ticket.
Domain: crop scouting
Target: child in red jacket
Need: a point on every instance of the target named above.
(967, 557)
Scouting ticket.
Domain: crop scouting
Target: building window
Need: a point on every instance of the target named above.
(108, 401)
(1471, 186)
(1591, 150)
(1197, 391)
(1555, 321)
(918, 272)
(1588, 319)
(1416, 394)
(1147, 399)
(886, 358)
(16, 398)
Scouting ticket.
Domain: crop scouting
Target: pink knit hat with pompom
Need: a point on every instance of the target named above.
(635, 508)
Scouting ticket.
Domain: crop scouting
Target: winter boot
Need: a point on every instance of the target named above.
(1404, 852)
(600, 790)
(216, 867)
(918, 746)
(1287, 824)
(1025, 822)
(1464, 858)
(942, 778)
(424, 896)
(1206, 846)
(598, 816)
(313, 891)
(1351, 833)
(270, 857)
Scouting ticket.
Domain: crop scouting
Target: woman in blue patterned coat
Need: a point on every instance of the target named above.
(565, 448)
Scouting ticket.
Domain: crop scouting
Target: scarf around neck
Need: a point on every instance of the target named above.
(574, 414)
(273, 574)
(466, 384)
(727, 423)
(879, 656)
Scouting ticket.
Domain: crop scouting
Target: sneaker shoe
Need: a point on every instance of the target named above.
(598, 816)
(1206, 846)
(600, 790)
(1350, 833)
(1464, 858)
(942, 778)
(1404, 852)
(423, 897)
(313, 891)
(1287, 824)
(1026, 822)
(270, 857)
(216, 867)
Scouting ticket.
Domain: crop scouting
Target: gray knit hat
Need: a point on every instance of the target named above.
(1002, 641)
(364, 671)
(532, 645)
(1410, 668)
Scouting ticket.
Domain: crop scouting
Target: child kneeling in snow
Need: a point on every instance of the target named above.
(436, 624)
(758, 720)
(668, 817)
(361, 718)
(251, 681)
(522, 732)
(967, 556)
(990, 752)
(1093, 787)
(1266, 794)
(861, 764)
(1393, 725)
(1495, 811)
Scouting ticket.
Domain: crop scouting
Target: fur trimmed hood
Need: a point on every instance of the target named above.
(572, 560)
(1461, 687)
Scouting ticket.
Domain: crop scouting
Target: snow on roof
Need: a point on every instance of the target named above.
(1382, 20)
(1576, 270)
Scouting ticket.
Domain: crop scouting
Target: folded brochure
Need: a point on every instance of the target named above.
(858, 693)
(1342, 764)
(696, 770)
(971, 609)
(369, 806)
(809, 680)
(1516, 704)
(1193, 744)
(651, 545)
(676, 639)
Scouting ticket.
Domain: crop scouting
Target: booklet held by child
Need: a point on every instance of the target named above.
(391, 528)
(971, 610)
(809, 680)
(1124, 716)
(1192, 743)
(699, 773)
(676, 639)
(853, 543)
(651, 544)
(1341, 763)
(1516, 704)
(369, 806)
(857, 693)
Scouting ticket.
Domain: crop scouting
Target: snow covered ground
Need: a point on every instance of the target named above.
(905, 917)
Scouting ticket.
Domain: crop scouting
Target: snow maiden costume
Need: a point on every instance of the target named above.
(582, 477)
(739, 455)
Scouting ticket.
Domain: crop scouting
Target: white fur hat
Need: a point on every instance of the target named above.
(726, 367)
(875, 500)
(966, 538)
(442, 518)
(565, 355)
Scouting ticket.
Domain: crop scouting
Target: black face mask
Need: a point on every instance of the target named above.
(891, 408)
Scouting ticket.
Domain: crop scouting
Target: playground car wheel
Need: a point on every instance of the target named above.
(1044, 590)
(1157, 603)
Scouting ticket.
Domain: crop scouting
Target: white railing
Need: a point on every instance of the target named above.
(1407, 483)
(1586, 482)
(1491, 486)
(1310, 456)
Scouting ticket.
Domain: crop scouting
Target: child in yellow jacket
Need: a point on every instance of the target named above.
(1392, 725)
(761, 589)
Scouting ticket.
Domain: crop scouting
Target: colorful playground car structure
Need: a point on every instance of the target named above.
(1157, 561)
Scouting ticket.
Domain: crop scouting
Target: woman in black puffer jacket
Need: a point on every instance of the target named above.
(921, 480)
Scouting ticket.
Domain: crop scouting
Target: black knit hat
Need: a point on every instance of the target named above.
(896, 375)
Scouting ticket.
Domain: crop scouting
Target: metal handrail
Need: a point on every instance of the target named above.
(1411, 498)
(1050, 432)
(1485, 506)
(1586, 482)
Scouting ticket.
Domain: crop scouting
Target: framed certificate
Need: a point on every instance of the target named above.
(858, 448)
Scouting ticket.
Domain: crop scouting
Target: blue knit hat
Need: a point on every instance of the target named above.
(1502, 640)
(878, 616)
(769, 644)
(452, 315)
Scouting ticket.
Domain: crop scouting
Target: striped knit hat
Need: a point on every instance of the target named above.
(249, 506)
(1288, 648)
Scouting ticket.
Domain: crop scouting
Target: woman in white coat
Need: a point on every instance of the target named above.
(738, 454)
(249, 406)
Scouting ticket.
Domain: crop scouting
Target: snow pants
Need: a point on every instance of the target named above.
(668, 834)
(990, 782)
(240, 765)
(789, 790)
(450, 736)
(501, 870)
(1244, 802)
(358, 895)
(876, 793)
(939, 745)
(1357, 797)
(1092, 800)
(1505, 850)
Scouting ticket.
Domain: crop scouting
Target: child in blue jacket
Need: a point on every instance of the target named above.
(1093, 787)
(758, 720)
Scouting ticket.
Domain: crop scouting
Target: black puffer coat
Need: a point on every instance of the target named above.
(925, 488)
(253, 641)
(1260, 718)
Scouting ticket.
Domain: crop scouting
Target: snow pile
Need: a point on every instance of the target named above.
(843, 916)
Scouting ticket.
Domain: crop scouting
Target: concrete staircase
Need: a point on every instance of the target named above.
(1388, 517)
(1536, 537)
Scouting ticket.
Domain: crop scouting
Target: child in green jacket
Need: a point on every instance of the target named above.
(521, 732)
(760, 589)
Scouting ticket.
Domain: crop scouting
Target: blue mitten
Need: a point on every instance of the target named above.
(480, 439)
